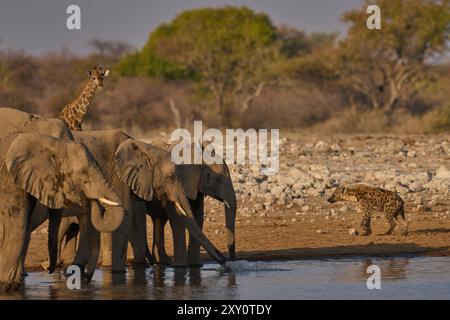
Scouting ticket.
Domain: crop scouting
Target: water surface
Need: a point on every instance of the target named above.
(401, 278)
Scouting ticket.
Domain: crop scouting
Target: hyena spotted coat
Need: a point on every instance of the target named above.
(371, 199)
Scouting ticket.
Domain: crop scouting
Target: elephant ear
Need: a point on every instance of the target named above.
(35, 166)
(190, 178)
(134, 168)
(190, 174)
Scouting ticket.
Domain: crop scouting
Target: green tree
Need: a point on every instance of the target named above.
(386, 66)
(148, 63)
(231, 51)
(295, 42)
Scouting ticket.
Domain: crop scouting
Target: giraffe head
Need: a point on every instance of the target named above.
(97, 74)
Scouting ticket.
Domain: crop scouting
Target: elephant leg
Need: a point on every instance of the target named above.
(114, 249)
(180, 257)
(55, 217)
(13, 232)
(128, 232)
(62, 233)
(39, 214)
(116, 244)
(138, 234)
(69, 250)
(82, 256)
(149, 257)
(158, 245)
(25, 250)
(21, 273)
(194, 246)
(24, 253)
(119, 248)
(94, 250)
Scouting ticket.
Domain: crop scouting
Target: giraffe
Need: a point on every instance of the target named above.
(75, 112)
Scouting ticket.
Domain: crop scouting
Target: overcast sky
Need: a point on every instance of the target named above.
(39, 26)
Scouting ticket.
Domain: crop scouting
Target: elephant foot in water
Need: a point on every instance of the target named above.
(179, 263)
(118, 271)
(8, 287)
(169, 264)
(164, 261)
(195, 263)
(46, 264)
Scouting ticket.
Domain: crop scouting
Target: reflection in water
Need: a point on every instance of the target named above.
(393, 269)
(194, 277)
(402, 278)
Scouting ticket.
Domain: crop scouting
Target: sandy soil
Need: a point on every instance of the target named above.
(296, 224)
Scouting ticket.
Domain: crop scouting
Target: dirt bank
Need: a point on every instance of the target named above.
(286, 216)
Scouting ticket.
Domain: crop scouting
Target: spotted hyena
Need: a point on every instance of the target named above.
(371, 199)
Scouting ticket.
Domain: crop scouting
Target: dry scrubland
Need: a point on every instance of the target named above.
(286, 216)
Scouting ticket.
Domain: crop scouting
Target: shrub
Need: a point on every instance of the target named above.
(438, 120)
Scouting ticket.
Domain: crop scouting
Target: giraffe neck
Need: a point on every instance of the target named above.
(75, 112)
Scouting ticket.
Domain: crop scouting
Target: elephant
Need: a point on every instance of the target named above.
(102, 145)
(15, 120)
(144, 173)
(199, 180)
(56, 173)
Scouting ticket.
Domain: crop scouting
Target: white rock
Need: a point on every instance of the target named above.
(442, 173)
(277, 190)
(334, 213)
(313, 192)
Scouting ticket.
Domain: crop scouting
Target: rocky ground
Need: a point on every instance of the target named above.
(286, 216)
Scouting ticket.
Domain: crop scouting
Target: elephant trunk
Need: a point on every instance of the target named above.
(230, 225)
(107, 218)
(183, 208)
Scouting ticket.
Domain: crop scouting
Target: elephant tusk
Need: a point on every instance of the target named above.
(108, 202)
(227, 204)
(181, 209)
